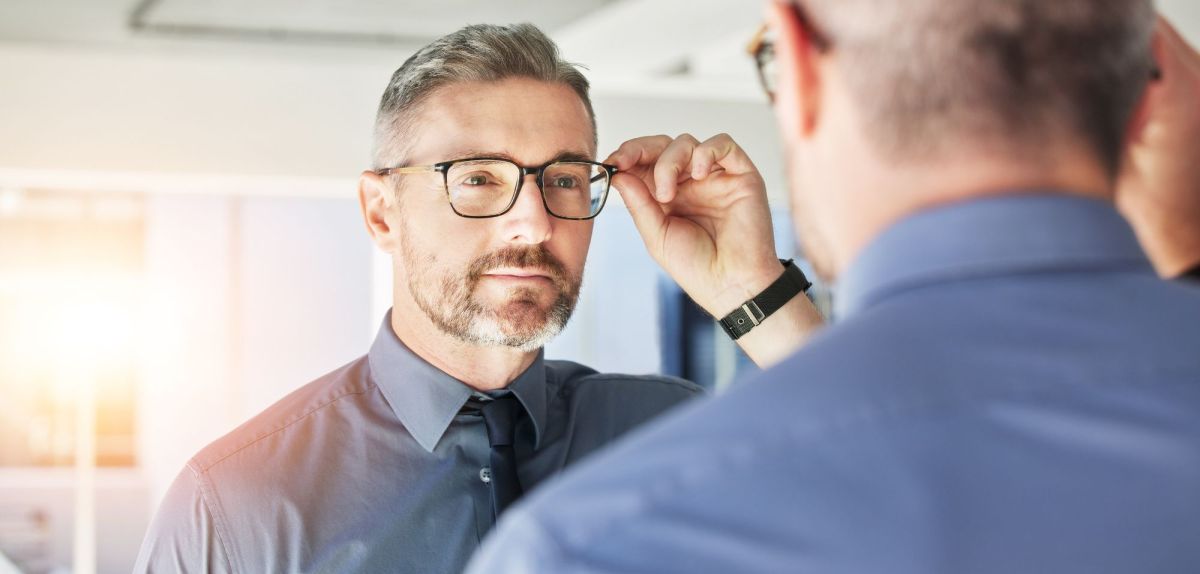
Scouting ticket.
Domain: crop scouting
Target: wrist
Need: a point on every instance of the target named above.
(754, 311)
(787, 330)
(744, 286)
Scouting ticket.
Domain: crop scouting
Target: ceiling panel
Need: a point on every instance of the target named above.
(367, 20)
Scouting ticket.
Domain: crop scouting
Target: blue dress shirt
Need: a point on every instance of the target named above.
(1009, 389)
(377, 467)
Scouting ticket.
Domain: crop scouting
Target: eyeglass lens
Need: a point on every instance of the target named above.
(482, 188)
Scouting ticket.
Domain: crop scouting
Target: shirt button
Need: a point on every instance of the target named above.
(485, 474)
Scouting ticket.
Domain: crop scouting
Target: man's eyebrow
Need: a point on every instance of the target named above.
(569, 155)
(574, 156)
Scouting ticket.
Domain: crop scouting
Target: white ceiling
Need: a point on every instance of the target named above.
(352, 20)
(623, 43)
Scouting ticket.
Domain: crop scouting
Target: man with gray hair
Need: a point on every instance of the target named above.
(483, 191)
(1008, 385)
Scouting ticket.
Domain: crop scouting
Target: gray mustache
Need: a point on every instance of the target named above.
(527, 258)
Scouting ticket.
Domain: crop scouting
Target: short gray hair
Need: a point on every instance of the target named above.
(478, 53)
(931, 75)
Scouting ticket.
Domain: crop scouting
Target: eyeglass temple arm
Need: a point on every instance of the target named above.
(410, 169)
(610, 171)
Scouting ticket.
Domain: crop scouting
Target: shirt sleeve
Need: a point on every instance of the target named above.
(183, 537)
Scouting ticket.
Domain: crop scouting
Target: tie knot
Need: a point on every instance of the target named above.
(500, 416)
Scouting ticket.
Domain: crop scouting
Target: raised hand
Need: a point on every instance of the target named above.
(701, 209)
(1159, 185)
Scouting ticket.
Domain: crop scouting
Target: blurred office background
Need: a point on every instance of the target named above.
(180, 242)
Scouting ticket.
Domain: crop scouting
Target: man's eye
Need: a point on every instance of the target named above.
(477, 179)
(565, 182)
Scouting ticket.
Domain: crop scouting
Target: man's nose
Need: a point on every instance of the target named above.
(528, 222)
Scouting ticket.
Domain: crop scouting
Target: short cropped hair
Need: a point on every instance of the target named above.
(934, 75)
(478, 53)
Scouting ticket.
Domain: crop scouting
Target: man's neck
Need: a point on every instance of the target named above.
(895, 194)
(483, 368)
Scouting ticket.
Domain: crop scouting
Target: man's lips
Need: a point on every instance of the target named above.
(516, 273)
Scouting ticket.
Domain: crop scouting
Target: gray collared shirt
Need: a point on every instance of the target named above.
(376, 467)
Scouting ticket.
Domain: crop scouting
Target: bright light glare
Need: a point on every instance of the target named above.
(94, 331)
(84, 324)
(10, 200)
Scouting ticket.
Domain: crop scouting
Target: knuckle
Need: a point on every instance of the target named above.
(661, 140)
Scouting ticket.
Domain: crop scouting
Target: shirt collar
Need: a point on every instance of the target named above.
(426, 399)
(531, 389)
(988, 237)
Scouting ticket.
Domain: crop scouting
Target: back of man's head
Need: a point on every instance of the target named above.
(930, 76)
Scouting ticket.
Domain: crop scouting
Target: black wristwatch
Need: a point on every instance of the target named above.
(755, 311)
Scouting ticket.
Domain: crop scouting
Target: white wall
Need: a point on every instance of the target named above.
(105, 111)
(304, 293)
(189, 376)
(252, 297)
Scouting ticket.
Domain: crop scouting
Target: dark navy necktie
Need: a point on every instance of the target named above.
(500, 416)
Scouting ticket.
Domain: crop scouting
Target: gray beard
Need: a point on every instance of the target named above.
(518, 324)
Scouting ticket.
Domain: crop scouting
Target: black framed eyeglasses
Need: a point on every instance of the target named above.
(488, 187)
(762, 49)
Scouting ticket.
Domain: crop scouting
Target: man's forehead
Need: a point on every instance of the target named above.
(527, 121)
(523, 157)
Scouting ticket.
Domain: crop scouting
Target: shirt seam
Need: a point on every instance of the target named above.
(694, 390)
(256, 440)
(219, 519)
(669, 381)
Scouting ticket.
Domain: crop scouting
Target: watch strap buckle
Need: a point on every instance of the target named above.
(754, 312)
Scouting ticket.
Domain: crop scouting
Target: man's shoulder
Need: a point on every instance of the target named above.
(573, 377)
(248, 494)
(306, 405)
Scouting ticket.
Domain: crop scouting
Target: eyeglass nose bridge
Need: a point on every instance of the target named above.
(538, 173)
